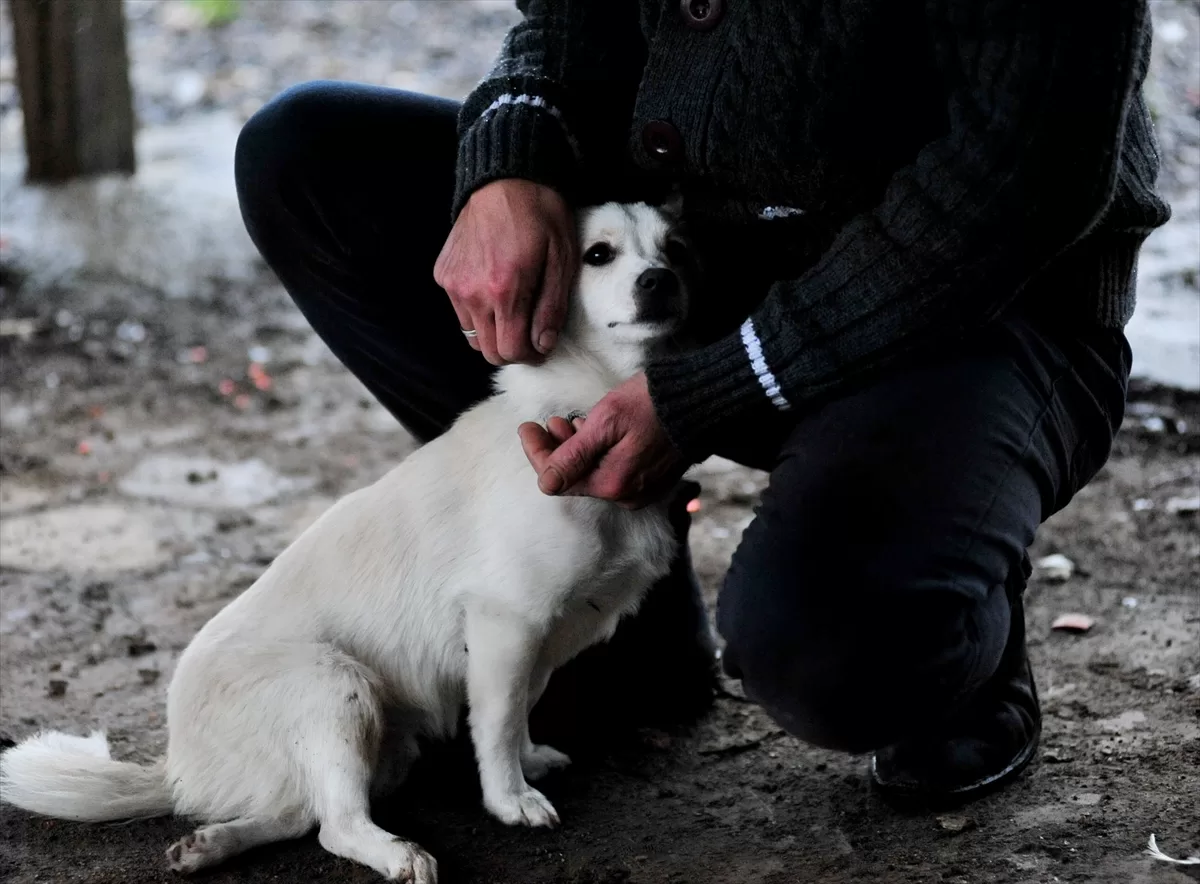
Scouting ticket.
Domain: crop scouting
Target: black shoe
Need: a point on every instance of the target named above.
(983, 747)
(659, 669)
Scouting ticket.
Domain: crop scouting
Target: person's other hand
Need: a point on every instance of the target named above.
(620, 452)
(508, 266)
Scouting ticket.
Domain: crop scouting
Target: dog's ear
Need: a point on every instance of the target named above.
(672, 204)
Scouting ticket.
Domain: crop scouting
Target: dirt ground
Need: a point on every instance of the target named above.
(138, 498)
(156, 455)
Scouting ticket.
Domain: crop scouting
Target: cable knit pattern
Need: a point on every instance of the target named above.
(933, 163)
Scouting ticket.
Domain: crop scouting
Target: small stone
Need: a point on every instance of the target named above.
(131, 332)
(1129, 602)
(1056, 568)
(1057, 756)
(140, 648)
(1087, 799)
(57, 687)
(189, 88)
(1131, 720)
(1142, 504)
(148, 675)
(1170, 32)
(955, 825)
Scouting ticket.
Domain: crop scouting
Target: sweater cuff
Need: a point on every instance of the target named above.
(698, 394)
(516, 136)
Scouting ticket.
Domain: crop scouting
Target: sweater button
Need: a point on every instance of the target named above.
(701, 15)
(662, 141)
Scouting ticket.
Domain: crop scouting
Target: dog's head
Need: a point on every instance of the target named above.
(631, 294)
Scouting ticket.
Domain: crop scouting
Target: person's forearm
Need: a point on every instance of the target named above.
(1028, 164)
(557, 97)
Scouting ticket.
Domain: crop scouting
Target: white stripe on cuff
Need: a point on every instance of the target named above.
(759, 363)
(771, 213)
(533, 101)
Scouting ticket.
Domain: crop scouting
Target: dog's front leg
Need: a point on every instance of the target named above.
(502, 649)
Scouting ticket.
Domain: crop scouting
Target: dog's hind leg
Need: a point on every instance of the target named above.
(341, 730)
(213, 844)
(347, 830)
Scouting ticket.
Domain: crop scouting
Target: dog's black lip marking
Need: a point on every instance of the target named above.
(593, 605)
(613, 324)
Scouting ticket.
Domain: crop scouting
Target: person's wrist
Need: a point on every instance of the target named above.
(518, 187)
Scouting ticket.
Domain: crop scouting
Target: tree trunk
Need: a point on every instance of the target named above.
(73, 76)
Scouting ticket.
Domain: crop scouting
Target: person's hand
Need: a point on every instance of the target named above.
(620, 452)
(508, 266)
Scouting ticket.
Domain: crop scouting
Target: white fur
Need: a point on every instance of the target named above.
(450, 579)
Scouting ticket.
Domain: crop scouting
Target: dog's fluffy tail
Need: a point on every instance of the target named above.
(75, 778)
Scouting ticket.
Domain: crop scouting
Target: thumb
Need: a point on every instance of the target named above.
(571, 462)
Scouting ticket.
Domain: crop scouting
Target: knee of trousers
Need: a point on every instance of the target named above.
(855, 666)
(268, 146)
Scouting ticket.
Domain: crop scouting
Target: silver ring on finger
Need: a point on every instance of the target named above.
(470, 332)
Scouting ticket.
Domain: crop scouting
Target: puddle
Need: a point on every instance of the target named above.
(207, 483)
(95, 538)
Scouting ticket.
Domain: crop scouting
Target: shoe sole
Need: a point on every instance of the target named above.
(960, 794)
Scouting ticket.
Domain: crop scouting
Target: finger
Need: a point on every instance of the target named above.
(551, 310)
(485, 329)
(571, 462)
(560, 429)
(465, 322)
(513, 318)
(618, 475)
(512, 338)
(537, 444)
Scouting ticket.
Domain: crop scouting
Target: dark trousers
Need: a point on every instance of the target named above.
(871, 595)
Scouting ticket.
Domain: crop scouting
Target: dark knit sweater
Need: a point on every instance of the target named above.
(932, 162)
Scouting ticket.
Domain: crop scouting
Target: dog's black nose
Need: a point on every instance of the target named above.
(658, 281)
(658, 295)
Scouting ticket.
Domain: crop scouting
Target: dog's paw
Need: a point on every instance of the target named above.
(189, 854)
(410, 864)
(539, 761)
(528, 808)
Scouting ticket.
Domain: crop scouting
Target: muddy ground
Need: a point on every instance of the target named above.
(148, 473)
(138, 498)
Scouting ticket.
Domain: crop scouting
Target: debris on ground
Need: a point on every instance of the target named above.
(1153, 851)
(956, 825)
(1072, 623)
(1183, 506)
(1056, 568)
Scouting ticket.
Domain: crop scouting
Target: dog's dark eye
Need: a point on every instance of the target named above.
(598, 255)
(677, 252)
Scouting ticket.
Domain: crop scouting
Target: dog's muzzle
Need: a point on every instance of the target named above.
(657, 295)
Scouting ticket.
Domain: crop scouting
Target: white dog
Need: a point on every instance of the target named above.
(451, 579)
